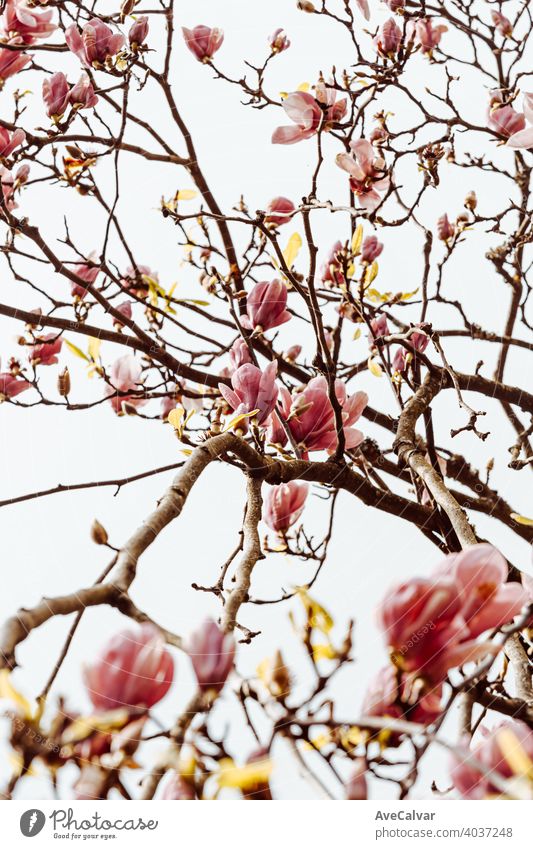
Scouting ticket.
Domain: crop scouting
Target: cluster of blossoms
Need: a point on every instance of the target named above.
(432, 625)
(96, 44)
(22, 25)
(416, 342)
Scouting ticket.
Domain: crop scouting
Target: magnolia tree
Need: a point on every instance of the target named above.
(263, 370)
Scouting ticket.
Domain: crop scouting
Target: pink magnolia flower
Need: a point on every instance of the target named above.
(253, 389)
(179, 789)
(133, 670)
(305, 112)
(138, 32)
(379, 135)
(279, 211)
(56, 95)
(445, 230)
(82, 95)
(524, 138)
(487, 600)
(423, 33)
(292, 353)
(505, 120)
(11, 62)
(88, 271)
(491, 754)
(371, 249)
(22, 21)
(379, 327)
(278, 41)
(203, 41)
(124, 309)
(10, 182)
(391, 693)
(125, 376)
(239, 354)
(12, 385)
(212, 653)
(389, 38)
(367, 172)
(94, 44)
(45, 349)
(399, 362)
(332, 270)
(266, 306)
(395, 5)
(334, 110)
(363, 8)
(284, 505)
(9, 141)
(356, 786)
(502, 24)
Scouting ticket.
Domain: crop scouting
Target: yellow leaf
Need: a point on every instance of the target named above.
(324, 651)
(175, 418)
(406, 296)
(186, 451)
(244, 777)
(357, 240)
(186, 194)
(318, 616)
(193, 301)
(76, 351)
(357, 333)
(93, 348)
(235, 421)
(8, 691)
(283, 94)
(514, 753)
(84, 726)
(371, 273)
(303, 87)
(522, 520)
(293, 249)
(374, 367)
(317, 742)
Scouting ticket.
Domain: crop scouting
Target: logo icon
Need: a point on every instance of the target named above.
(32, 822)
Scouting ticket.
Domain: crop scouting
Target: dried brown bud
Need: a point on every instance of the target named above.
(471, 200)
(63, 382)
(127, 8)
(98, 533)
(305, 6)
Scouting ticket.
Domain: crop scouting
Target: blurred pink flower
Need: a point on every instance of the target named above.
(379, 327)
(82, 94)
(95, 43)
(371, 249)
(305, 112)
(278, 41)
(11, 62)
(12, 385)
(203, 41)
(445, 230)
(23, 23)
(502, 24)
(212, 653)
(524, 137)
(424, 34)
(253, 389)
(9, 141)
(266, 306)
(88, 271)
(178, 789)
(332, 271)
(239, 354)
(45, 349)
(389, 38)
(278, 211)
(491, 754)
(356, 786)
(56, 94)
(395, 5)
(505, 120)
(133, 670)
(125, 375)
(367, 172)
(124, 309)
(135, 283)
(292, 353)
(138, 32)
(392, 693)
(284, 505)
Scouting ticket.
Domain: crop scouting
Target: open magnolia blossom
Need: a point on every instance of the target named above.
(268, 281)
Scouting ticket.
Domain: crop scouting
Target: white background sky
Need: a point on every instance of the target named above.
(45, 543)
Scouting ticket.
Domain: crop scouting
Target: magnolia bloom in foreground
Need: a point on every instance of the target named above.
(212, 653)
(431, 624)
(11, 62)
(309, 113)
(523, 138)
(56, 95)
(278, 41)
(45, 349)
(82, 95)
(389, 38)
(138, 32)
(502, 24)
(424, 34)
(133, 670)
(125, 376)
(505, 120)
(284, 505)
(23, 22)
(253, 389)
(239, 354)
(311, 418)
(367, 172)
(203, 41)
(95, 43)
(495, 755)
(9, 141)
(278, 211)
(11, 385)
(266, 306)
(88, 271)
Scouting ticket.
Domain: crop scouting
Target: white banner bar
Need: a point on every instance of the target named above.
(385, 825)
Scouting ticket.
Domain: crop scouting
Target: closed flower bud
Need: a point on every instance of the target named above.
(99, 533)
(278, 41)
(471, 201)
(276, 676)
(63, 382)
(138, 32)
(305, 6)
(212, 653)
(445, 230)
